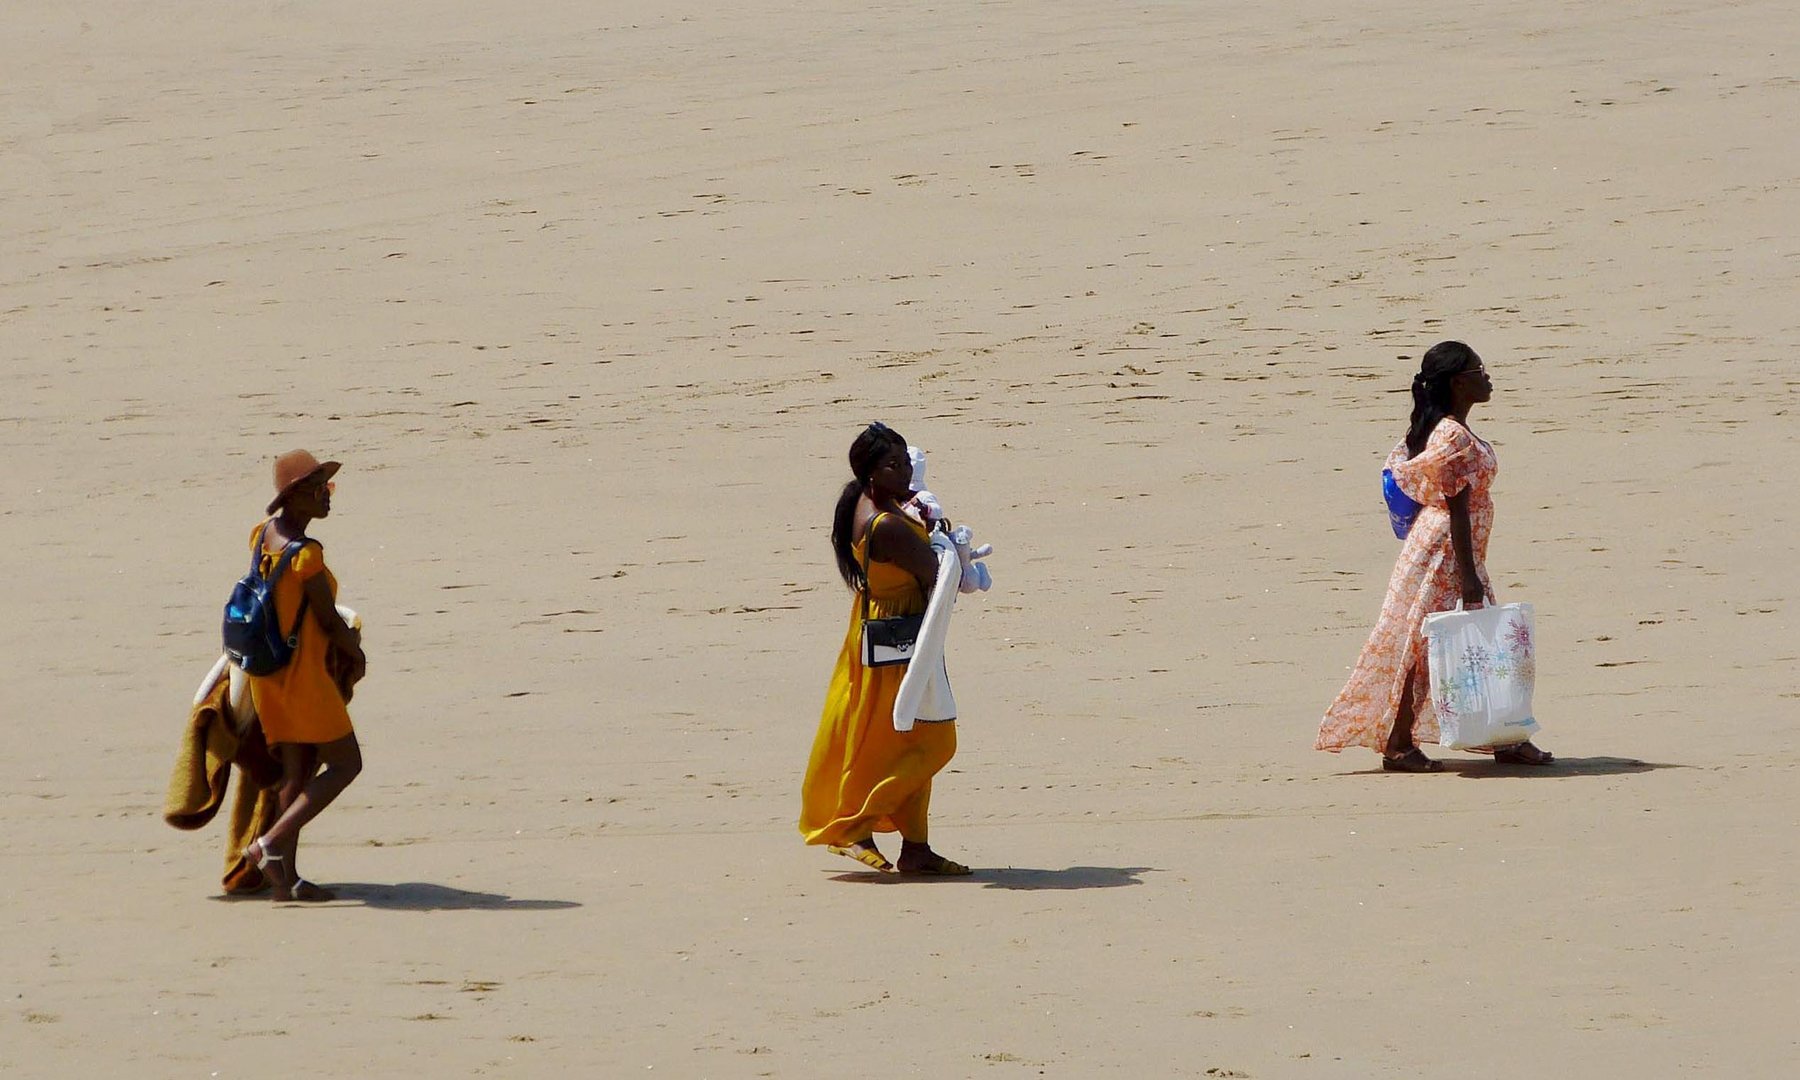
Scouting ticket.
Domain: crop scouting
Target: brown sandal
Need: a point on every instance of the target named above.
(933, 865)
(1413, 761)
(1523, 754)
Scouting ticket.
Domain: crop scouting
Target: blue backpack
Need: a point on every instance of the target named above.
(253, 637)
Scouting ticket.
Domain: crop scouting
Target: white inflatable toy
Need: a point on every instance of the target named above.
(975, 577)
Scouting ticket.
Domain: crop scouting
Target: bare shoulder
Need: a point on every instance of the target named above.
(896, 540)
(865, 514)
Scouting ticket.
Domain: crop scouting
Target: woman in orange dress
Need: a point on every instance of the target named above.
(864, 777)
(1448, 470)
(302, 706)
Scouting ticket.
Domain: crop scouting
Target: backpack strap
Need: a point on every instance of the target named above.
(287, 556)
(281, 564)
(256, 549)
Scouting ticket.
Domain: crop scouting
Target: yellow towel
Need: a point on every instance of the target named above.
(210, 746)
(221, 732)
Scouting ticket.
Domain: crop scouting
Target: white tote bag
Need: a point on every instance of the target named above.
(1483, 669)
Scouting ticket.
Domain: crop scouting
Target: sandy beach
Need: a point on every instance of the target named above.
(590, 299)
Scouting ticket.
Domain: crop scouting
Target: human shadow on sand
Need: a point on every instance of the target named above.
(426, 896)
(1563, 767)
(1016, 877)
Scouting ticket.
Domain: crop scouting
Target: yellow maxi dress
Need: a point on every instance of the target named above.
(864, 777)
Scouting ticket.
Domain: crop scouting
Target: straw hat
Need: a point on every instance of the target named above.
(293, 469)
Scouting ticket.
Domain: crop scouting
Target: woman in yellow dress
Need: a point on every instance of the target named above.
(864, 777)
(302, 706)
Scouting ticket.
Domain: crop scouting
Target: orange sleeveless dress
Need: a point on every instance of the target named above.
(301, 702)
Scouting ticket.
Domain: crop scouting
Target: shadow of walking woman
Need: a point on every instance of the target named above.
(426, 896)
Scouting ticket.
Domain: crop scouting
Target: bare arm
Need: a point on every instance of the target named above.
(1462, 542)
(324, 609)
(895, 542)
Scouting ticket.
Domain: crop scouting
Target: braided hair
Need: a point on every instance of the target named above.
(874, 443)
(1431, 390)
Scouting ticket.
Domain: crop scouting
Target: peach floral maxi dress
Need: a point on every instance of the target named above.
(1425, 580)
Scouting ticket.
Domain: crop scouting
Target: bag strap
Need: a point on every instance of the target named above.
(868, 542)
(293, 637)
(287, 556)
(281, 564)
(256, 549)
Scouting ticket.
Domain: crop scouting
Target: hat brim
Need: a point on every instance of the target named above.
(326, 468)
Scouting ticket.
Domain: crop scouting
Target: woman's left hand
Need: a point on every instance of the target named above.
(1474, 594)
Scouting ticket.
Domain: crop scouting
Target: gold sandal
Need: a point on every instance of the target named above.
(864, 853)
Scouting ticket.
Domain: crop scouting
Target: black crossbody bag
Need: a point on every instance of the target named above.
(889, 641)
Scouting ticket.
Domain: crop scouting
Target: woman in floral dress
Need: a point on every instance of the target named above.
(1448, 470)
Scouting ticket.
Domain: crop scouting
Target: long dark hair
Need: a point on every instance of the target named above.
(1431, 390)
(876, 442)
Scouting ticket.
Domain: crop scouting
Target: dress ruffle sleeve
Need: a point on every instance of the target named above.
(1446, 466)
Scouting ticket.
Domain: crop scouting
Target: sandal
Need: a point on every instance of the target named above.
(1523, 754)
(1413, 761)
(918, 858)
(276, 875)
(935, 865)
(307, 892)
(864, 851)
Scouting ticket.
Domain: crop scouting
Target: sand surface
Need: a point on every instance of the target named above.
(591, 297)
